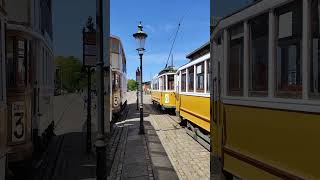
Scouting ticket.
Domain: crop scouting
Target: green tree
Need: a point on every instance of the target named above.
(71, 73)
(132, 85)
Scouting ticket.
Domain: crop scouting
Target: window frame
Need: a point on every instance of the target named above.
(173, 86)
(197, 75)
(190, 81)
(252, 92)
(183, 82)
(314, 87)
(294, 40)
(238, 41)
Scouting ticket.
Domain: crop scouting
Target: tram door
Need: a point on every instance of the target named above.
(18, 90)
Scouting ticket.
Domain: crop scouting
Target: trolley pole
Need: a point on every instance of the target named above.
(100, 142)
(141, 100)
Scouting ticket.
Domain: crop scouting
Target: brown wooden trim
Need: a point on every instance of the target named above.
(196, 115)
(261, 165)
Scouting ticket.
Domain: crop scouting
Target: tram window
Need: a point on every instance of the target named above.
(171, 82)
(259, 56)
(235, 64)
(288, 66)
(315, 61)
(16, 63)
(164, 84)
(183, 81)
(200, 77)
(190, 79)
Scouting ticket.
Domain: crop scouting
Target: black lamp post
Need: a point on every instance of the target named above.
(140, 37)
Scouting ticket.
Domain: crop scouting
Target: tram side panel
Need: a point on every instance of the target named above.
(168, 100)
(196, 109)
(156, 97)
(283, 140)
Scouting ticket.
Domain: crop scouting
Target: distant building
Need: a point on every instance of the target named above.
(146, 86)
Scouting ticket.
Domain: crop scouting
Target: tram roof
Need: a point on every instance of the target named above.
(204, 49)
(247, 12)
(169, 69)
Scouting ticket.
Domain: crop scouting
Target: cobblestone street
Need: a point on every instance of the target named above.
(189, 158)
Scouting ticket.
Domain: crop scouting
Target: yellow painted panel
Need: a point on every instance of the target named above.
(196, 109)
(245, 171)
(156, 96)
(286, 140)
(168, 99)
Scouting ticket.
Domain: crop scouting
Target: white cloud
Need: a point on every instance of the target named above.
(151, 28)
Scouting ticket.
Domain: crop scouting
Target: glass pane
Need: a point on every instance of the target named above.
(200, 77)
(170, 82)
(289, 76)
(289, 71)
(235, 64)
(183, 81)
(315, 56)
(190, 79)
(259, 57)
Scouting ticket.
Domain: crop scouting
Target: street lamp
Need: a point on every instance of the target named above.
(140, 37)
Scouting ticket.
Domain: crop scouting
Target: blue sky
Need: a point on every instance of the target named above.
(160, 19)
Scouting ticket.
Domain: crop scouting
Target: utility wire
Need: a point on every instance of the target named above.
(175, 36)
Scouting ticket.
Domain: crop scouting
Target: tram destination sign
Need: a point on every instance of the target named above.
(89, 49)
(18, 122)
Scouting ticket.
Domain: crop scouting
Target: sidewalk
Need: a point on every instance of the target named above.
(131, 156)
(140, 157)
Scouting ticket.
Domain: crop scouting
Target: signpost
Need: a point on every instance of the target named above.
(89, 61)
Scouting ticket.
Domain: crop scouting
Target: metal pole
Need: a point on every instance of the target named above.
(141, 101)
(138, 86)
(100, 143)
(89, 112)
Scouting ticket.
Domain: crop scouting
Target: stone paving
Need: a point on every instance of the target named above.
(139, 156)
(189, 158)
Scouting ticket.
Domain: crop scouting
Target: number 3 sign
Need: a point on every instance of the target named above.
(18, 125)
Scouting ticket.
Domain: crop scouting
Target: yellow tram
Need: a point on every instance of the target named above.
(163, 88)
(193, 95)
(266, 113)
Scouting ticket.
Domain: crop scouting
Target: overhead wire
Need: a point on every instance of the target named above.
(176, 34)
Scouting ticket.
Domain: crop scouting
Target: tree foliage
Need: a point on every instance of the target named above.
(132, 85)
(71, 76)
